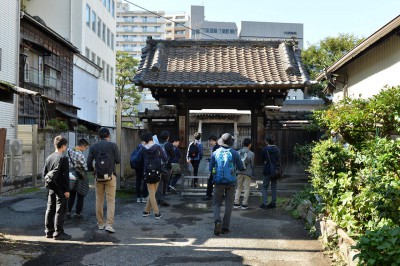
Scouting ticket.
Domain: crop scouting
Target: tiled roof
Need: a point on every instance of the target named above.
(225, 63)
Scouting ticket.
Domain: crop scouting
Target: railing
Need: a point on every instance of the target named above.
(35, 77)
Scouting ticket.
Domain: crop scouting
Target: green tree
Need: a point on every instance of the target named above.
(321, 55)
(125, 88)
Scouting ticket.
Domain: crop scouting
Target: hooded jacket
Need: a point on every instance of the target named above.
(152, 150)
(275, 156)
(249, 171)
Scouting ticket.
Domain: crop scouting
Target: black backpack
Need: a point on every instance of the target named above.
(193, 150)
(103, 166)
(153, 167)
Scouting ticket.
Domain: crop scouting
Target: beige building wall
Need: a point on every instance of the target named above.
(367, 75)
(179, 29)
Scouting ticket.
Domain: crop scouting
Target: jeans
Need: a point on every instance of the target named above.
(55, 213)
(141, 187)
(79, 202)
(243, 182)
(162, 187)
(210, 186)
(174, 179)
(264, 190)
(108, 188)
(152, 202)
(195, 164)
(221, 193)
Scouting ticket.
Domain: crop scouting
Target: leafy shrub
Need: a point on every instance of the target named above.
(57, 125)
(303, 153)
(381, 247)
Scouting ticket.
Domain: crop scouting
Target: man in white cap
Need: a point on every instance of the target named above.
(223, 165)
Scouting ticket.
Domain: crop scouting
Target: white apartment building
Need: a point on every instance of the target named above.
(177, 26)
(9, 57)
(90, 25)
(133, 27)
(204, 29)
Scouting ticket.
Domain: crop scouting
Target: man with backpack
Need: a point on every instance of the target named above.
(106, 155)
(223, 165)
(194, 155)
(152, 154)
(244, 177)
(271, 157)
(169, 150)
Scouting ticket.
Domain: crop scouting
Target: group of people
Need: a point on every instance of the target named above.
(157, 165)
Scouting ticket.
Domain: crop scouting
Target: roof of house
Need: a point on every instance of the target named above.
(380, 35)
(224, 64)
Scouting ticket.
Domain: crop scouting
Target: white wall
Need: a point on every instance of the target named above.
(370, 73)
(9, 27)
(85, 94)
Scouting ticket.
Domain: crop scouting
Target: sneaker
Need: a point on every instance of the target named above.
(164, 204)
(236, 206)
(244, 207)
(144, 200)
(172, 189)
(217, 228)
(271, 206)
(225, 231)
(101, 226)
(263, 206)
(62, 236)
(157, 216)
(78, 217)
(145, 214)
(68, 215)
(109, 229)
(139, 200)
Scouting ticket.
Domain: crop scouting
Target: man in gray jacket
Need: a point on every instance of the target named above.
(109, 154)
(244, 177)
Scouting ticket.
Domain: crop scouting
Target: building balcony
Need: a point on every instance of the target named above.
(37, 78)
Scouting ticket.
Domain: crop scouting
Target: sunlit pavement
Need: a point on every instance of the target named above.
(183, 236)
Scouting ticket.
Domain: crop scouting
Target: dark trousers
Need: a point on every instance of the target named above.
(55, 213)
(223, 193)
(174, 179)
(210, 186)
(141, 187)
(195, 164)
(162, 187)
(79, 202)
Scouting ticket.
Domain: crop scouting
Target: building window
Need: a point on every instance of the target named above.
(112, 41)
(112, 76)
(144, 19)
(99, 61)
(87, 53)
(103, 33)
(113, 8)
(144, 28)
(93, 57)
(232, 31)
(52, 78)
(108, 5)
(104, 2)
(99, 27)
(103, 66)
(225, 31)
(94, 21)
(108, 73)
(294, 97)
(108, 37)
(88, 15)
(290, 33)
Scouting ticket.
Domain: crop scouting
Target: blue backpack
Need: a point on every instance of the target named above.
(224, 167)
(136, 158)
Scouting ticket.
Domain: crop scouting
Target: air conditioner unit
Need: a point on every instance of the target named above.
(16, 167)
(15, 147)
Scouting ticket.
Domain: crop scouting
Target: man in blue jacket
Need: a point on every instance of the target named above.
(223, 165)
(195, 154)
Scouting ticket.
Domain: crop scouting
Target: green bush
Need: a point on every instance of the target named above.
(303, 153)
(381, 247)
(57, 125)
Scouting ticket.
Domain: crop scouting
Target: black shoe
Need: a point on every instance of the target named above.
(62, 236)
(263, 206)
(164, 204)
(145, 214)
(68, 215)
(49, 234)
(78, 216)
(157, 216)
(225, 231)
(217, 228)
(271, 206)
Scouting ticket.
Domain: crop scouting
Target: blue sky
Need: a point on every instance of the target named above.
(320, 18)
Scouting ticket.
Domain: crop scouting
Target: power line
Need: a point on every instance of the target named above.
(183, 25)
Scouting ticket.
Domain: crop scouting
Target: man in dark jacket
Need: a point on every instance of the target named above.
(223, 165)
(57, 168)
(149, 154)
(169, 150)
(107, 187)
(175, 165)
(271, 157)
